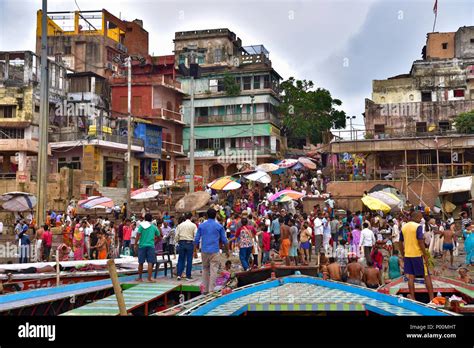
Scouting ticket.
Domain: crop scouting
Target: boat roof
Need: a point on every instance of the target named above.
(298, 293)
(439, 284)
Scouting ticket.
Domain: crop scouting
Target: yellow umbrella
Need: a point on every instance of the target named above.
(375, 204)
(225, 183)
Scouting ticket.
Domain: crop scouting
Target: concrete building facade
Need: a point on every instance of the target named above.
(223, 120)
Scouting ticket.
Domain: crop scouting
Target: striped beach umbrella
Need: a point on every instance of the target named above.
(286, 196)
(225, 183)
(93, 201)
(144, 193)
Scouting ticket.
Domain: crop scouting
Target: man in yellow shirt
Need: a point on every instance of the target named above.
(415, 255)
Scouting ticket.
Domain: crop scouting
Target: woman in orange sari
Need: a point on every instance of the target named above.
(67, 234)
(101, 246)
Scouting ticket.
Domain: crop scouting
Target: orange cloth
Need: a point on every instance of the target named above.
(102, 254)
(285, 248)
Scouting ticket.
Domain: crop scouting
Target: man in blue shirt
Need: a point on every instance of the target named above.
(275, 230)
(210, 234)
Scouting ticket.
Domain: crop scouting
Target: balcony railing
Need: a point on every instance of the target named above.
(257, 117)
(172, 147)
(78, 136)
(359, 134)
(167, 114)
(242, 153)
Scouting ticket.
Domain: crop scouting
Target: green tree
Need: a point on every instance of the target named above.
(232, 89)
(308, 112)
(465, 122)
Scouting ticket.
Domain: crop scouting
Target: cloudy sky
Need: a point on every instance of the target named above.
(341, 45)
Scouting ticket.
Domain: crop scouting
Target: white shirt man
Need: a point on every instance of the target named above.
(1, 227)
(395, 233)
(367, 238)
(318, 226)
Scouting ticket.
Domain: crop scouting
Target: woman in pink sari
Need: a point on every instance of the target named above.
(355, 240)
(78, 243)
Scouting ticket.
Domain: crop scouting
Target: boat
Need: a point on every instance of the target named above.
(446, 287)
(302, 295)
(260, 274)
(71, 274)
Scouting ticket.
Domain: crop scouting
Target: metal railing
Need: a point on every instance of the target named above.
(7, 176)
(233, 152)
(446, 170)
(167, 114)
(360, 134)
(172, 147)
(82, 136)
(259, 116)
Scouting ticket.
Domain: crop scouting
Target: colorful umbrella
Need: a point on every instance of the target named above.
(285, 196)
(93, 201)
(144, 193)
(375, 204)
(267, 167)
(161, 184)
(307, 162)
(287, 163)
(259, 176)
(388, 198)
(225, 183)
(19, 202)
(192, 202)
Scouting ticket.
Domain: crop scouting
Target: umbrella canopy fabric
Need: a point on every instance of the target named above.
(225, 183)
(307, 162)
(144, 193)
(375, 204)
(259, 176)
(285, 196)
(161, 184)
(91, 202)
(267, 167)
(287, 163)
(388, 198)
(245, 172)
(192, 202)
(20, 203)
(9, 195)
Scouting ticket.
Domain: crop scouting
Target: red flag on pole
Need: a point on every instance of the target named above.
(435, 7)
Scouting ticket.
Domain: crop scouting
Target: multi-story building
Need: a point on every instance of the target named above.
(19, 112)
(89, 41)
(237, 86)
(156, 98)
(410, 134)
(84, 135)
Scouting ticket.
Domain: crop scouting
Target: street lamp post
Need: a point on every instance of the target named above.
(254, 162)
(350, 118)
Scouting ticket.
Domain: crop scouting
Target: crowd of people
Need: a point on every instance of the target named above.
(363, 248)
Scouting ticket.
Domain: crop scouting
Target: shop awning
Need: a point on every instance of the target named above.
(454, 185)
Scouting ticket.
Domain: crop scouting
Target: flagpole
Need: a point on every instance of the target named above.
(434, 24)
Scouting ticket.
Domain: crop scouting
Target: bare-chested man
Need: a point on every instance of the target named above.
(334, 269)
(448, 243)
(355, 272)
(285, 243)
(371, 275)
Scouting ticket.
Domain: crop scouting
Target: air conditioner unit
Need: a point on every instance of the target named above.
(110, 66)
(114, 68)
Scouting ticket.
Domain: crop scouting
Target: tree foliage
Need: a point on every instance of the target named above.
(465, 122)
(308, 112)
(231, 87)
